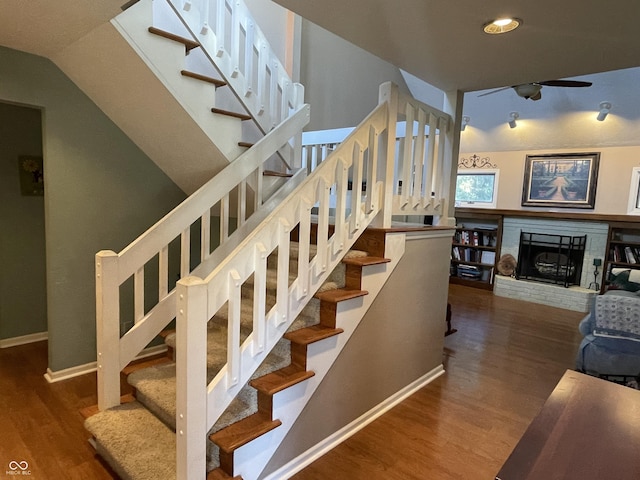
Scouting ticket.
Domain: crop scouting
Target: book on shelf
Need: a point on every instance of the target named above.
(630, 256)
(470, 272)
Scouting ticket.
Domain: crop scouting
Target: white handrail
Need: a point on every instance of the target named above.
(115, 351)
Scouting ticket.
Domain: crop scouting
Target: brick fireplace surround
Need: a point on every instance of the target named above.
(594, 226)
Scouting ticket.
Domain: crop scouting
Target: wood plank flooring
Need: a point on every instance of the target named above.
(502, 363)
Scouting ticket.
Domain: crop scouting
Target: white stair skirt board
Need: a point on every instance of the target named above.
(90, 367)
(318, 450)
(24, 339)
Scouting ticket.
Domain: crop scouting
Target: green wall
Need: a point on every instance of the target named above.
(23, 300)
(101, 192)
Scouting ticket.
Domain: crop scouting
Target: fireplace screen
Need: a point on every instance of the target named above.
(551, 258)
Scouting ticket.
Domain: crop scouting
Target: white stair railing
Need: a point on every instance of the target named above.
(366, 160)
(232, 40)
(417, 188)
(119, 340)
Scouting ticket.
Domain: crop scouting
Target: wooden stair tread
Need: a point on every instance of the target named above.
(220, 474)
(241, 116)
(277, 381)
(145, 363)
(94, 409)
(339, 295)
(272, 173)
(240, 433)
(312, 334)
(246, 144)
(187, 42)
(205, 78)
(365, 261)
(166, 333)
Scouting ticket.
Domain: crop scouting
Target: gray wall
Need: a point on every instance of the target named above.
(101, 192)
(399, 340)
(23, 301)
(341, 80)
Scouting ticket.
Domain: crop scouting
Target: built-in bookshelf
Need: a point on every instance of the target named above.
(621, 268)
(475, 250)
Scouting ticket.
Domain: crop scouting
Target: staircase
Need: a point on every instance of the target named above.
(259, 286)
(250, 415)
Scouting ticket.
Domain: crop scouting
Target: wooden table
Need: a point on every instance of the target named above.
(588, 429)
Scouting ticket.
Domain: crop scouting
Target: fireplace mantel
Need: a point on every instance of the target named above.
(569, 215)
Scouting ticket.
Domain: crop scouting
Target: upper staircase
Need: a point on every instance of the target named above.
(254, 277)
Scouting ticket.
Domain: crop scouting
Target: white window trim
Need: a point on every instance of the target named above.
(634, 192)
(496, 183)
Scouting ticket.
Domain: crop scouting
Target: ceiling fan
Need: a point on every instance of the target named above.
(532, 90)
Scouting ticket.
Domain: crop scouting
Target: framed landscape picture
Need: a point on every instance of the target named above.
(561, 180)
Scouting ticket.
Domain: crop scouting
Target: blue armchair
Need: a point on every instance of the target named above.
(611, 330)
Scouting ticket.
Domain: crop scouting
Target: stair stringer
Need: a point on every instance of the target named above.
(251, 459)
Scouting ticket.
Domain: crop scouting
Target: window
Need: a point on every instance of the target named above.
(477, 188)
(634, 193)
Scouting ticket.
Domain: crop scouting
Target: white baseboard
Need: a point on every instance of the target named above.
(24, 339)
(68, 373)
(315, 452)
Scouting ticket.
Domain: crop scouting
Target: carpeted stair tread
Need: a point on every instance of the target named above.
(306, 336)
(135, 366)
(87, 412)
(277, 381)
(242, 432)
(137, 445)
(340, 295)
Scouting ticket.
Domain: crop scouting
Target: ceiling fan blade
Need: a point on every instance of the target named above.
(494, 91)
(565, 83)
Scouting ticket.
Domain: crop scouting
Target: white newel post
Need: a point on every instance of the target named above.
(108, 329)
(388, 94)
(453, 103)
(191, 378)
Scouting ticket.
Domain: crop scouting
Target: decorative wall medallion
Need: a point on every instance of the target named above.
(476, 162)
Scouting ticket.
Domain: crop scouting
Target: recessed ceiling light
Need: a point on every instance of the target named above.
(501, 25)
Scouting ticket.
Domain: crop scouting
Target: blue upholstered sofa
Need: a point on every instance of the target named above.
(611, 330)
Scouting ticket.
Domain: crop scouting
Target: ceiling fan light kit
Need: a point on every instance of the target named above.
(501, 25)
(513, 116)
(605, 107)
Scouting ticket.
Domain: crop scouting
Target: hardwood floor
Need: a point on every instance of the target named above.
(40, 423)
(501, 365)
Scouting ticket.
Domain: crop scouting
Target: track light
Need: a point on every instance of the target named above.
(465, 122)
(513, 116)
(604, 111)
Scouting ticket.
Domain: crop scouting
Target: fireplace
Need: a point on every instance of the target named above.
(550, 258)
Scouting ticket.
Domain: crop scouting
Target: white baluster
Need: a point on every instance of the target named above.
(233, 335)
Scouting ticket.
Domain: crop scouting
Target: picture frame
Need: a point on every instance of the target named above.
(31, 174)
(561, 180)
